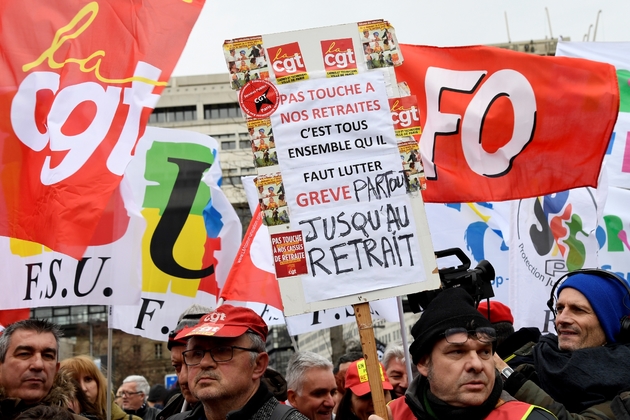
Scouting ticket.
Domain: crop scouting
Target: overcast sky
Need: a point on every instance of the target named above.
(440, 23)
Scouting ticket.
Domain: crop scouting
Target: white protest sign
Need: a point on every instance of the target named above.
(346, 192)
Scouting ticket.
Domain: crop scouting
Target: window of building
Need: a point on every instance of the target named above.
(248, 171)
(219, 111)
(244, 141)
(227, 141)
(136, 349)
(71, 315)
(232, 180)
(228, 145)
(174, 114)
(158, 351)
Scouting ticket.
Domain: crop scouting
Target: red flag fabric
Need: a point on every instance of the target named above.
(252, 277)
(500, 125)
(78, 81)
(13, 315)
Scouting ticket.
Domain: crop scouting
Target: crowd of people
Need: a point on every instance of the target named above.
(468, 361)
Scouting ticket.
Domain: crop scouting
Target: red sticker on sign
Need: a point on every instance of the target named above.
(289, 255)
(259, 98)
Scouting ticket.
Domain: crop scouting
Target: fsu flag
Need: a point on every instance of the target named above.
(78, 81)
(500, 125)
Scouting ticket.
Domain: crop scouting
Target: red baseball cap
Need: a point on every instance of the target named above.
(227, 321)
(498, 311)
(357, 378)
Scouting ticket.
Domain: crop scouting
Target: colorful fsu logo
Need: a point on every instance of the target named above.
(288, 63)
(179, 243)
(405, 116)
(339, 57)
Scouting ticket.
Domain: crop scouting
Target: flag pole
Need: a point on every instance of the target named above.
(368, 345)
(403, 335)
(109, 362)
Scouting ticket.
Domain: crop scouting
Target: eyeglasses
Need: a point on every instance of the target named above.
(218, 354)
(127, 393)
(484, 335)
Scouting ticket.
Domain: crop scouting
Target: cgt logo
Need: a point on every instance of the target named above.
(404, 112)
(339, 54)
(287, 60)
(63, 136)
(214, 317)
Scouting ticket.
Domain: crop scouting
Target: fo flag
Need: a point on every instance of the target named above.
(78, 82)
(500, 125)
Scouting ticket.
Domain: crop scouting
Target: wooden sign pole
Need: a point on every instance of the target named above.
(368, 344)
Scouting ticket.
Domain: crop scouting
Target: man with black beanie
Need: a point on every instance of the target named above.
(453, 347)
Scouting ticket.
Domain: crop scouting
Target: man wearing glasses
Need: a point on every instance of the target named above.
(226, 359)
(134, 392)
(453, 347)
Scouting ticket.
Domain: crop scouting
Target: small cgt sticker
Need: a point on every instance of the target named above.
(258, 98)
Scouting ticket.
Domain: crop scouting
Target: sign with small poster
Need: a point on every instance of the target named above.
(338, 185)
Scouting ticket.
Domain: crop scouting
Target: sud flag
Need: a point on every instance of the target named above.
(78, 81)
(500, 125)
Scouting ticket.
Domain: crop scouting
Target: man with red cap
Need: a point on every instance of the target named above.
(515, 347)
(500, 316)
(226, 360)
(356, 403)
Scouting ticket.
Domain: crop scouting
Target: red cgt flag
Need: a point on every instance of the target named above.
(501, 125)
(252, 277)
(78, 81)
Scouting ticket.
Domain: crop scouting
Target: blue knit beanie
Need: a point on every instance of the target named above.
(608, 298)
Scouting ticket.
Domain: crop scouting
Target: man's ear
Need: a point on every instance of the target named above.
(57, 368)
(260, 365)
(423, 365)
(291, 394)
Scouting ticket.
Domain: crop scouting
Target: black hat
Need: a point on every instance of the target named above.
(157, 393)
(451, 308)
